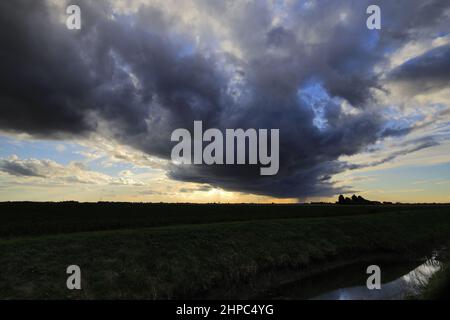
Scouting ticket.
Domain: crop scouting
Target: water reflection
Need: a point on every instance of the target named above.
(409, 285)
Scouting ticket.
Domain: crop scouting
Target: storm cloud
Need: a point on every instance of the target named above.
(136, 75)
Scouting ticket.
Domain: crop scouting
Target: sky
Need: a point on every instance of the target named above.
(87, 114)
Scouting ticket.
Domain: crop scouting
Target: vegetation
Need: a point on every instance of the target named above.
(165, 253)
(356, 200)
(438, 287)
(19, 219)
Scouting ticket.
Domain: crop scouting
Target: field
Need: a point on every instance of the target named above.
(159, 251)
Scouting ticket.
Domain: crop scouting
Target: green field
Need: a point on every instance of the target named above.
(162, 251)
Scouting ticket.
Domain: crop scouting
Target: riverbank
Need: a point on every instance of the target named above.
(186, 261)
(438, 287)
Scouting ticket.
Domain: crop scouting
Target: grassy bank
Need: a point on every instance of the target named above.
(186, 260)
(438, 287)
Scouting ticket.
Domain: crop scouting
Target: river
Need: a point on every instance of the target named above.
(400, 280)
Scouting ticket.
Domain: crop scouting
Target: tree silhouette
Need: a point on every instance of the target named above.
(354, 200)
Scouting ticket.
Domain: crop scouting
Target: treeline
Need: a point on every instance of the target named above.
(358, 200)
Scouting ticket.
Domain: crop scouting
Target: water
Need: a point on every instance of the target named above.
(400, 280)
(409, 285)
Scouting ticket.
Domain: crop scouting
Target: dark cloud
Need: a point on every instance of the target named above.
(44, 85)
(430, 71)
(136, 78)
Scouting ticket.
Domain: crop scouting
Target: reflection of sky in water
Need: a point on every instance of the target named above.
(408, 285)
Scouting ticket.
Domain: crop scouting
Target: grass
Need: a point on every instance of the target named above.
(438, 288)
(36, 219)
(186, 260)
